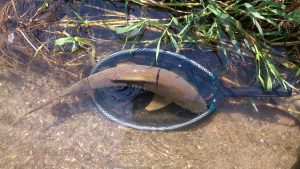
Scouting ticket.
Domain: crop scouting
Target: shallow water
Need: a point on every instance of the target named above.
(73, 134)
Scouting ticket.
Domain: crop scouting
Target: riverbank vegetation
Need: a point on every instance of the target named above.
(269, 30)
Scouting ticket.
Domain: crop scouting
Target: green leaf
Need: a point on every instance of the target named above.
(269, 83)
(173, 41)
(253, 104)
(134, 32)
(175, 20)
(295, 16)
(82, 40)
(157, 49)
(275, 72)
(79, 17)
(212, 30)
(154, 23)
(184, 30)
(254, 13)
(213, 9)
(289, 65)
(62, 41)
(278, 12)
(257, 26)
(158, 45)
(271, 3)
(261, 81)
(121, 30)
(298, 72)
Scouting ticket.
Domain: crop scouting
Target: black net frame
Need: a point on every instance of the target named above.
(118, 57)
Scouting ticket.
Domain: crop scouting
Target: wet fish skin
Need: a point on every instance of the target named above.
(165, 83)
(157, 80)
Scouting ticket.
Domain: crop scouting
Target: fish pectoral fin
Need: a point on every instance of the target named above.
(158, 102)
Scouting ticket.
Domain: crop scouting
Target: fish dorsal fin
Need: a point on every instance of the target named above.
(135, 78)
(158, 102)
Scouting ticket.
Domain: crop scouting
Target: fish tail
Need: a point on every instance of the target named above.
(44, 105)
(77, 87)
(38, 108)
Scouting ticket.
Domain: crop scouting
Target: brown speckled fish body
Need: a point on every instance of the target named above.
(157, 80)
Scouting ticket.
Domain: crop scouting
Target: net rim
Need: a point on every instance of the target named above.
(111, 117)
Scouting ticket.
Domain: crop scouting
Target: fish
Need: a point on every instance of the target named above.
(167, 86)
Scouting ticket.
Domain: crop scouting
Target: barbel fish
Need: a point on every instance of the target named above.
(167, 86)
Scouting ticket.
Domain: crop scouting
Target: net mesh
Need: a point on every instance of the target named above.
(126, 105)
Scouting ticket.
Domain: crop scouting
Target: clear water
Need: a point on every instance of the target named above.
(235, 136)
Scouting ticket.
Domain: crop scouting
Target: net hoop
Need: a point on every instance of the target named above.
(111, 117)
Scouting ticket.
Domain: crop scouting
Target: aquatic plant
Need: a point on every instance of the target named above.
(258, 25)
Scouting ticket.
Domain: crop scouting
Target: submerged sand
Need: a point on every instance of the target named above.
(72, 134)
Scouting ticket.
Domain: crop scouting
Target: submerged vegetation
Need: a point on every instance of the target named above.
(258, 26)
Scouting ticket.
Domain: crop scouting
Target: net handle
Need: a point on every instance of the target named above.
(257, 92)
